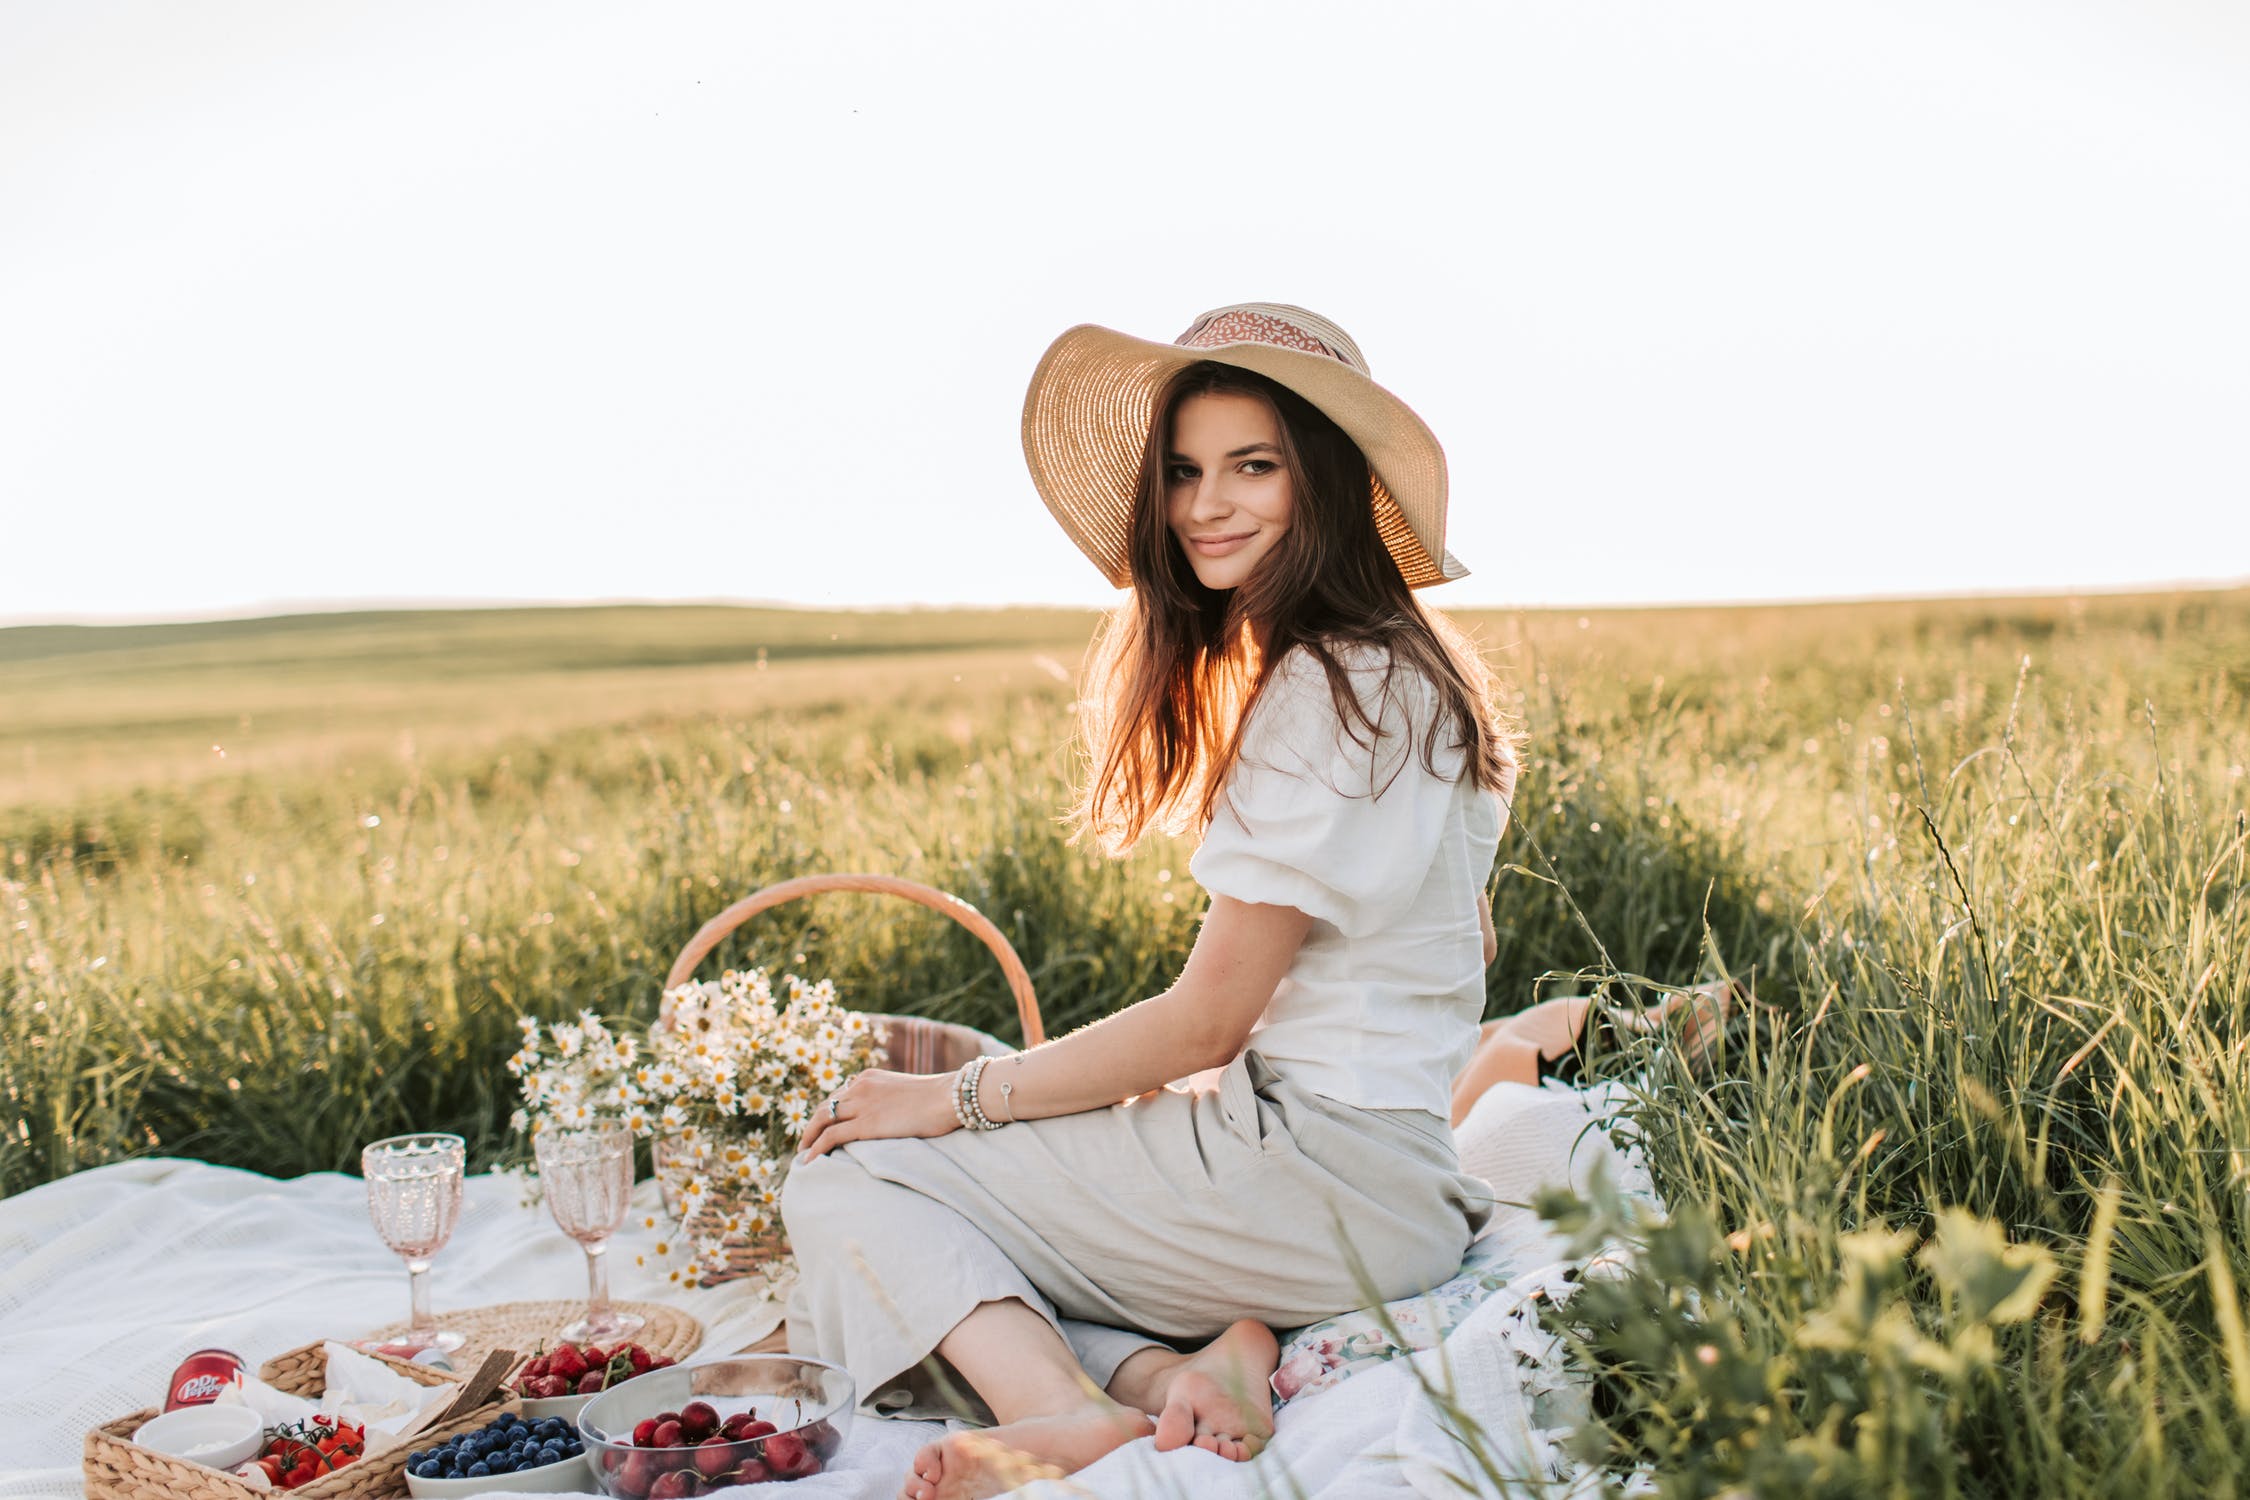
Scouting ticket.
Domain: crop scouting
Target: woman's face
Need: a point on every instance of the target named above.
(1227, 494)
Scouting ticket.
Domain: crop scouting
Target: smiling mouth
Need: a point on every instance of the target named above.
(1220, 546)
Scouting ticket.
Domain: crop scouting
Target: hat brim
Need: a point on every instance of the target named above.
(1086, 418)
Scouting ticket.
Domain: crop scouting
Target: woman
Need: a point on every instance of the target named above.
(1274, 684)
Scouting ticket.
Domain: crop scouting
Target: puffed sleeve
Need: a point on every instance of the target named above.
(1312, 817)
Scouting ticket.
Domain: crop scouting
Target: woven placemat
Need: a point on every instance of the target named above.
(527, 1327)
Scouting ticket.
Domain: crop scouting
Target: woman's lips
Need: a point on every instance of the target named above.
(1220, 546)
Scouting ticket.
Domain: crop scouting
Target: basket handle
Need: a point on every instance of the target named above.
(709, 934)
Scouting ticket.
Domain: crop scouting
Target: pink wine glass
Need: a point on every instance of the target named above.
(414, 1196)
(587, 1176)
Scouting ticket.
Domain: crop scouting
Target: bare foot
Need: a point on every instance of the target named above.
(972, 1465)
(1217, 1398)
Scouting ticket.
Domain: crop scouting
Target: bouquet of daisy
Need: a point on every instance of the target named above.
(723, 1087)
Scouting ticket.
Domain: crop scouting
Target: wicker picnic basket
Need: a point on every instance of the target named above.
(913, 1044)
(119, 1469)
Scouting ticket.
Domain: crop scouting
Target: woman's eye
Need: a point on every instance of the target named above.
(1258, 466)
(1180, 473)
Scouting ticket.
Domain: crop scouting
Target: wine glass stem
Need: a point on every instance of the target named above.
(418, 1290)
(597, 1282)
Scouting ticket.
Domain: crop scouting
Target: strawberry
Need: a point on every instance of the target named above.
(567, 1362)
(680, 1484)
(668, 1434)
(640, 1358)
(644, 1433)
(594, 1356)
(713, 1457)
(660, 1362)
(590, 1383)
(536, 1366)
(547, 1387)
(698, 1420)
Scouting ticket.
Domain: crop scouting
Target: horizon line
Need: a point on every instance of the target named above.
(278, 609)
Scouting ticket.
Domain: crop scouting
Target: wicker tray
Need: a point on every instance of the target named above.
(914, 1044)
(528, 1327)
(119, 1469)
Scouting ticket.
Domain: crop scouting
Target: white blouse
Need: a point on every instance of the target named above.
(1381, 1007)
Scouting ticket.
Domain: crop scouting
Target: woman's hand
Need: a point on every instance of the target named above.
(878, 1105)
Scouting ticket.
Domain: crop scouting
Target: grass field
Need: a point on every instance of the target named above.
(274, 888)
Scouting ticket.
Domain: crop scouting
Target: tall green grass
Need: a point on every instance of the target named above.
(1987, 862)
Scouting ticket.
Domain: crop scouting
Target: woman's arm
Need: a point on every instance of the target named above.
(1201, 1022)
(1484, 920)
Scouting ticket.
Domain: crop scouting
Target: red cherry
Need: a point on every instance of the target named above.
(757, 1429)
(668, 1434)
(644, 1433)
(680, 1484)
(751, 1472)
(713, 1457)
(698, 1420)
(787, 1456)
(639, 1474)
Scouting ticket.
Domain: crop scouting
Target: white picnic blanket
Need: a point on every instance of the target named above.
(109, 1277)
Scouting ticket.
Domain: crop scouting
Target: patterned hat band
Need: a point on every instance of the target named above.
(1268, 325)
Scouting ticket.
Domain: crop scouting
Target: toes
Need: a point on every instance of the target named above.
(1175, 1427)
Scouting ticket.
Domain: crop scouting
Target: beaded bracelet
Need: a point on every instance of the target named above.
(976, 1095)
(966, 1107)
(960, 1111)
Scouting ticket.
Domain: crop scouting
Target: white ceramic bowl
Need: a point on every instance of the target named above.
(571, 1475)
(536, 1408)
(217, 1436)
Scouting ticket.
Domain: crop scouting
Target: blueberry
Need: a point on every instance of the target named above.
(479, 1470)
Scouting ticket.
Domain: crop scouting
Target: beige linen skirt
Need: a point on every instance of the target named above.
(1166, 1218)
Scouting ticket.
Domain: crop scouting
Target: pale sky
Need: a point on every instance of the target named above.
(326, 302)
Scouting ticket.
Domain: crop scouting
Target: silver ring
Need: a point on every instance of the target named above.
(831, 1109)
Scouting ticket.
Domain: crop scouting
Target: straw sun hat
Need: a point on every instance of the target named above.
(1087, 414)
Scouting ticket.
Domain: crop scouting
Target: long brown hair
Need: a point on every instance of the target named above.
(1176, 669)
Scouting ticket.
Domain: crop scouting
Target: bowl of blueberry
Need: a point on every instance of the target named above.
(508, 1453)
